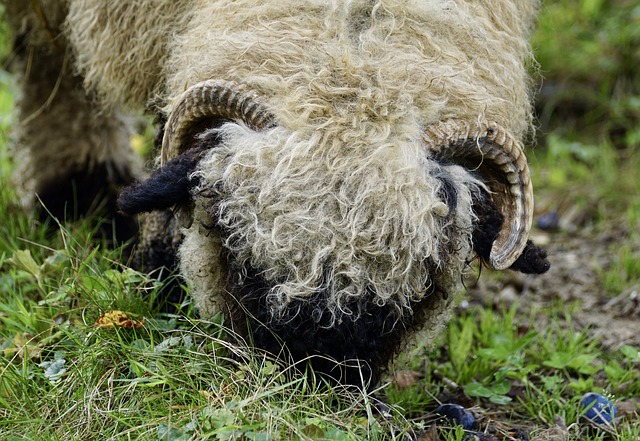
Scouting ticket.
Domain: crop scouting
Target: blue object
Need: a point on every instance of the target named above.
(599, 409)
(457, 415)
(548, 221)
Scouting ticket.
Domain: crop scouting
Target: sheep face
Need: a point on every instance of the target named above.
(308, 220)
(298, 243)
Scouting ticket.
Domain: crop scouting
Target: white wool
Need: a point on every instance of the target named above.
(309, 216)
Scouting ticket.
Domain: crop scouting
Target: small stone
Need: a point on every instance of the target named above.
(548, 221)
(457, 415)
(599, 409)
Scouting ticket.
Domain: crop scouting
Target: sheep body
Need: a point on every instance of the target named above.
(62, 133)
(430, 53)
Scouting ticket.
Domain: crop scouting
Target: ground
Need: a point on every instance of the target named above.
(578, 260)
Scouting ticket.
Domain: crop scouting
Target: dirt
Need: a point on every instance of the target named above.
(578, 260)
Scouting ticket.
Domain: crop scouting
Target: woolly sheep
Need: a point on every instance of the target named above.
(333, 165)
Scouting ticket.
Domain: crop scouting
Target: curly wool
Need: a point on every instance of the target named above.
(312, 219)
(326, 62)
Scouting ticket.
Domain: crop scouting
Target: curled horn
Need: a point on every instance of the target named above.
(498, 157)
(212, 99)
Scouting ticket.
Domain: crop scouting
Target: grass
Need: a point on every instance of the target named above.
(67, 373)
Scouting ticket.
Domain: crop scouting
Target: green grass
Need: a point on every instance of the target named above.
(587, 50)
(521, 364)
(63, 377)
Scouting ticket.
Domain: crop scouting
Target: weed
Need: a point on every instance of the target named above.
(624, 271)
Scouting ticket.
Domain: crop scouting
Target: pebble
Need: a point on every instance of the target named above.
(599, 409)
(457, 415)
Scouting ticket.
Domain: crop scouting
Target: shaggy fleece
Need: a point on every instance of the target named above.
(449, 59)
(341, 196)
(326, 62)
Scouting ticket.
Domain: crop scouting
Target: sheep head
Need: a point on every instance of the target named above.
(291, 229)
(485, 147)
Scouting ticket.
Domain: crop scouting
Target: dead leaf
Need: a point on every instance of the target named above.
(406, 378)
(117, 319)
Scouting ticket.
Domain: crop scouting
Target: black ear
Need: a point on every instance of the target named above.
(533, 259)
(166, 187)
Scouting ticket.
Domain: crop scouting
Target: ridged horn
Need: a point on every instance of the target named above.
(498, 157)
(212, 99)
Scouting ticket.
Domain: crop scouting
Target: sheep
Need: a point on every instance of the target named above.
(69, 151)
(327, 170)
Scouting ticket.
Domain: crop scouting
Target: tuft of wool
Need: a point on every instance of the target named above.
(121, 46)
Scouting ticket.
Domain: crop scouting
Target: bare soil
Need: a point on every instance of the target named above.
(575, 280)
